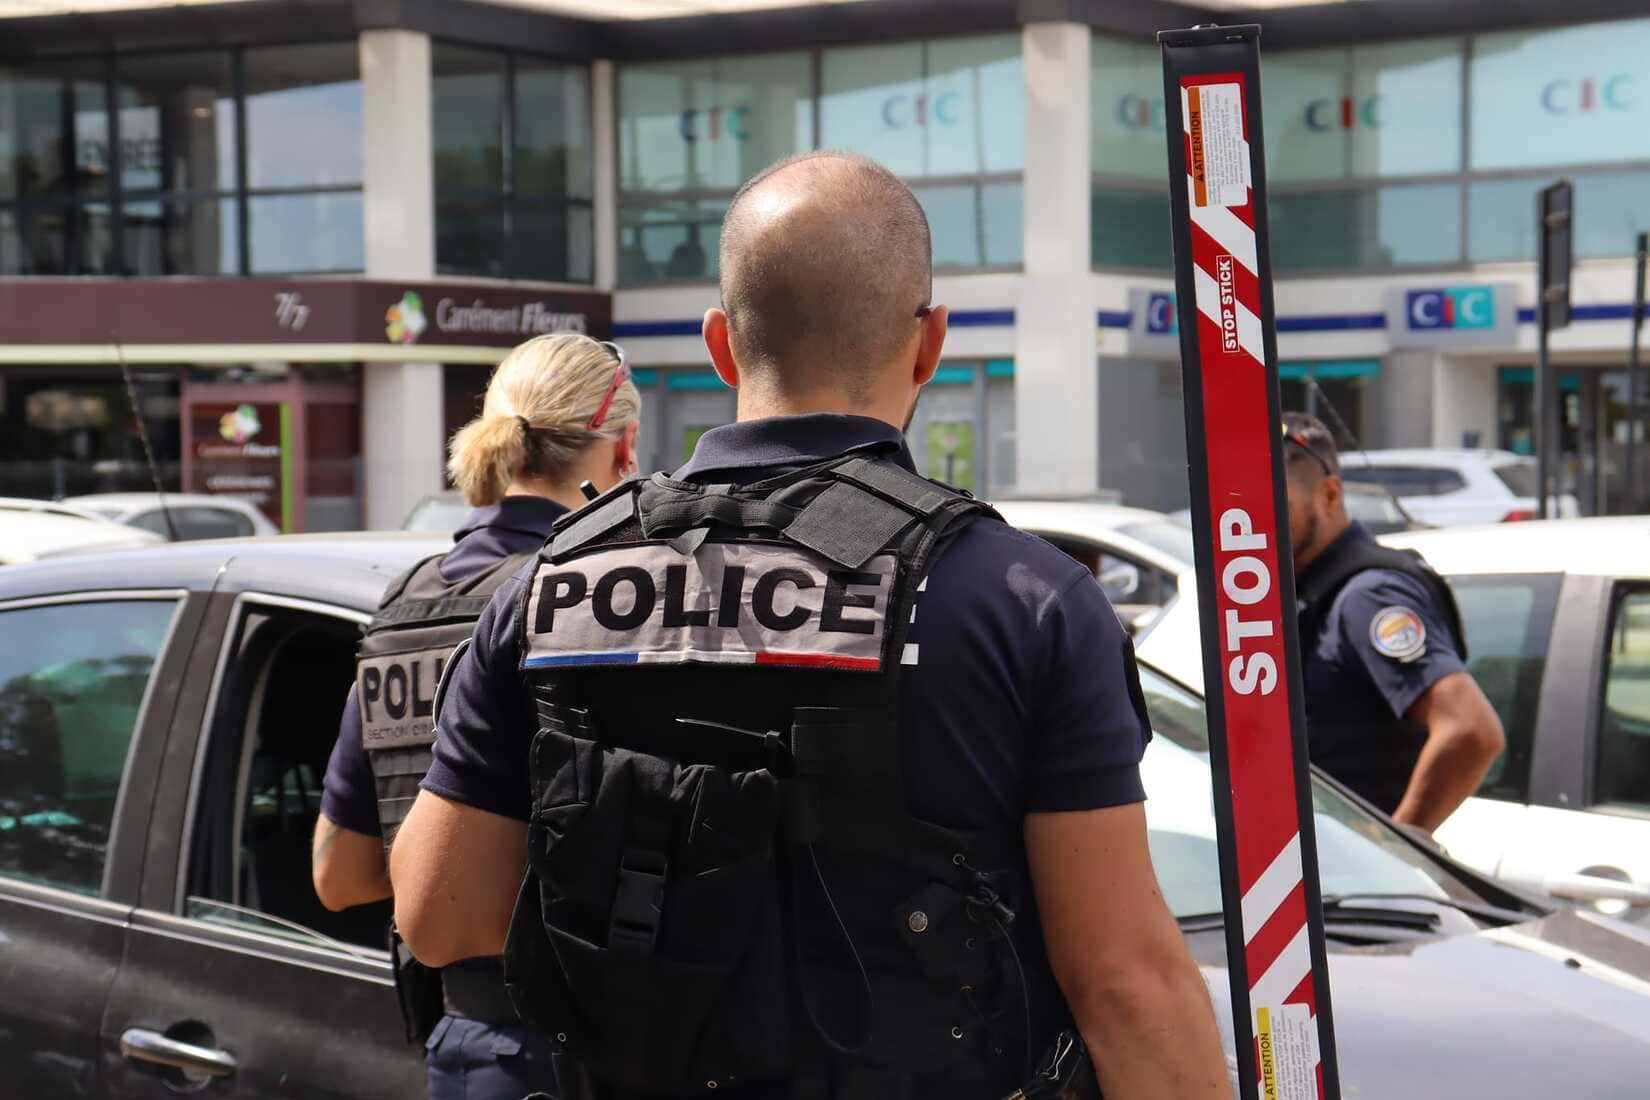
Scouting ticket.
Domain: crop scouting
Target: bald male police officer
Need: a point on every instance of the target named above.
(824, 779)
(1391, 710)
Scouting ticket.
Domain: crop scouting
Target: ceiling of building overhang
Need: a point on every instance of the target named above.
(593, 9)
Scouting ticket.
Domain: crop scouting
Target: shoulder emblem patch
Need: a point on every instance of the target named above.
(1398, 633)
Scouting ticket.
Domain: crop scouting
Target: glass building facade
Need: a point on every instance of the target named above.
(1417, 154)
(947, 115)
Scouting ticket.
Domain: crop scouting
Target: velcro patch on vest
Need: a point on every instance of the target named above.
(728, 603)
(397, 697)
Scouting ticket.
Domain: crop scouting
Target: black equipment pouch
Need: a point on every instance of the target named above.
(1065, 1073)
(662, 995)
(417, 989)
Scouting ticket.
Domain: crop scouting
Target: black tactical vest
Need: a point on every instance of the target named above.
(726, 890)
(1351, 737)
(421, 620)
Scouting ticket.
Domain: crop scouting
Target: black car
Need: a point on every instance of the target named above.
(165, 720)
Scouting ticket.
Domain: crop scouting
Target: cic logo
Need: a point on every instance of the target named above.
(1347, 113)
(1161, 317)
(715, 123)
(1453, 307)
(902, 111)
(1571, 97)
(1139, 112)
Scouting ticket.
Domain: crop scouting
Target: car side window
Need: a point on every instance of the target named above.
(1622, 763)
(1508, 620)
(1408, 481)
(276, 720)
(1124, 580)
(195, 522)
(72, 684)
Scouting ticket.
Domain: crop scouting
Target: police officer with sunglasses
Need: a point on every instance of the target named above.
(1391, 710)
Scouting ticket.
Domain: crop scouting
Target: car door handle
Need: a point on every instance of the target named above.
(143, 1045)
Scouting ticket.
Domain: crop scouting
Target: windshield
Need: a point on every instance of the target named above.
(1358, 853)
(439, 515)
(1519, 477)
(1171, 538)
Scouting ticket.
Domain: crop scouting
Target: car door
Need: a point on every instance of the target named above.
(86, 684)
(237, 983)
(1509, 620)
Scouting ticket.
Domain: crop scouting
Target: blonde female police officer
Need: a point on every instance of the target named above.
(559, 410)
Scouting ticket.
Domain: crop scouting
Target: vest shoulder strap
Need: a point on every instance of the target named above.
(1321, 585)
(423, 597)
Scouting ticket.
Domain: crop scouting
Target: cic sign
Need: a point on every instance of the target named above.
(1154, 324)
(1464, 315)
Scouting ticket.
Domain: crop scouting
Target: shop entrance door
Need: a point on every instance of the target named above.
(1593, 427)
(284, 437)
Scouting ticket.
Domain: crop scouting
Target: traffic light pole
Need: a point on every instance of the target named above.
(1245, 576)
(1554, 207)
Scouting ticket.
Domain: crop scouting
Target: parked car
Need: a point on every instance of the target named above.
(34, 529)
(1370, 504)
(194, 515)
(1448, 488)
(438, 513)
(161, 754)
(1557, 615)
(1138, 556)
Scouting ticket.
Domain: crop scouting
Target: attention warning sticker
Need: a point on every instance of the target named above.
(1286, 1038)
(1218, 159)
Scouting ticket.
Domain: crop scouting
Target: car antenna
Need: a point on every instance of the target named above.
(1335, 417)
(143, 434)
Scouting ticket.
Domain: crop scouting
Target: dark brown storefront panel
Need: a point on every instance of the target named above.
(291, 311)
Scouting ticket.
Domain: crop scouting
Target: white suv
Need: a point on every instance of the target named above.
(1447, 488)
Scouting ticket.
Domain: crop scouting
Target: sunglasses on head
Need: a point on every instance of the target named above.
(1300, 441)
(621, 374)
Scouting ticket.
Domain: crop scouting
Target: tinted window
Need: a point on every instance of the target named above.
(1518, 477)
(69, 702)
(1508, 620)
(195, 522)
(1623, 760)
(1171, 538)
(1408, 481)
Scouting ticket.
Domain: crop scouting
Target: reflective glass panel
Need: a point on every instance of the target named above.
(1126, 109)
(1387, 110)
(177, 122)
(1130, 228)
(53, 130)
(552, 129)
(299, 233)
(69, 704)
(711, 124)
(950, 107)
(467, 118)
(1569, 95)
(550, 240)
(181, 236)
(1610, 209)
(303, 116)
(974, 225)
(669, 240)
(1365, 228)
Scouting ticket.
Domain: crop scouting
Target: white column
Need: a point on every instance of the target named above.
(605, 177)
(1464, 400)
(1055, 380)
(401, 402)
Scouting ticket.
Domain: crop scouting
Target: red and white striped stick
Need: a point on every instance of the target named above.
(1269, 879)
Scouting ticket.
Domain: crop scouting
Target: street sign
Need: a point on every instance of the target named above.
(1245, 575)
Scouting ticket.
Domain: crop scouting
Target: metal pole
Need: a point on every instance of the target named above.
(1543, 399)
(1630, 485)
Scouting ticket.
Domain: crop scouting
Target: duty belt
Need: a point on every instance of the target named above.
(474, 989)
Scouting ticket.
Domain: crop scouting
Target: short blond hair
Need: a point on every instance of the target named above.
(535, 419)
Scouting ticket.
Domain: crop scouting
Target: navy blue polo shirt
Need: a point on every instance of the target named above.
(1383, 643)
(515, 525)
(1018, 692)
